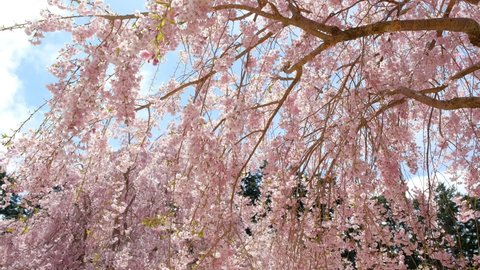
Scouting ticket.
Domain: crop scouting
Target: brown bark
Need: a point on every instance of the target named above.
(462, 25)
(451, 104)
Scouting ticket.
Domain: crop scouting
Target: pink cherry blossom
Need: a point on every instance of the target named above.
(146, 55)
(335, 103)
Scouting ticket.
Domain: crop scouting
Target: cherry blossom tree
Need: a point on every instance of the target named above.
(336, 101)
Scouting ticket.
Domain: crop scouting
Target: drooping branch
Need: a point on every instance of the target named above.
(292, 85)
(213, 72)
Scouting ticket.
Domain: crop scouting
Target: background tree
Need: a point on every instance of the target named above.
(352, 95)
(10, 206)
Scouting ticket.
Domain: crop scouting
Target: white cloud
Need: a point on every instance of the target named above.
(14, 47)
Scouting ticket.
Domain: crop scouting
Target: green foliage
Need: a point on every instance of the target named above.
(9, 205)
(447, 209)
(250, 186)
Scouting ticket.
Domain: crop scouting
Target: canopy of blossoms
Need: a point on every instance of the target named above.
(344, 99)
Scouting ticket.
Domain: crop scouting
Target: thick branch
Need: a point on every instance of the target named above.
(451, 104)
(463, 25)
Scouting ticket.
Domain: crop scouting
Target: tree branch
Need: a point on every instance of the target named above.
(310, 26)
(451, 104)
(462, 25)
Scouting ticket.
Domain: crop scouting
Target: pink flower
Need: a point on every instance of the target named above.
(146, 55)
(149, 57)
